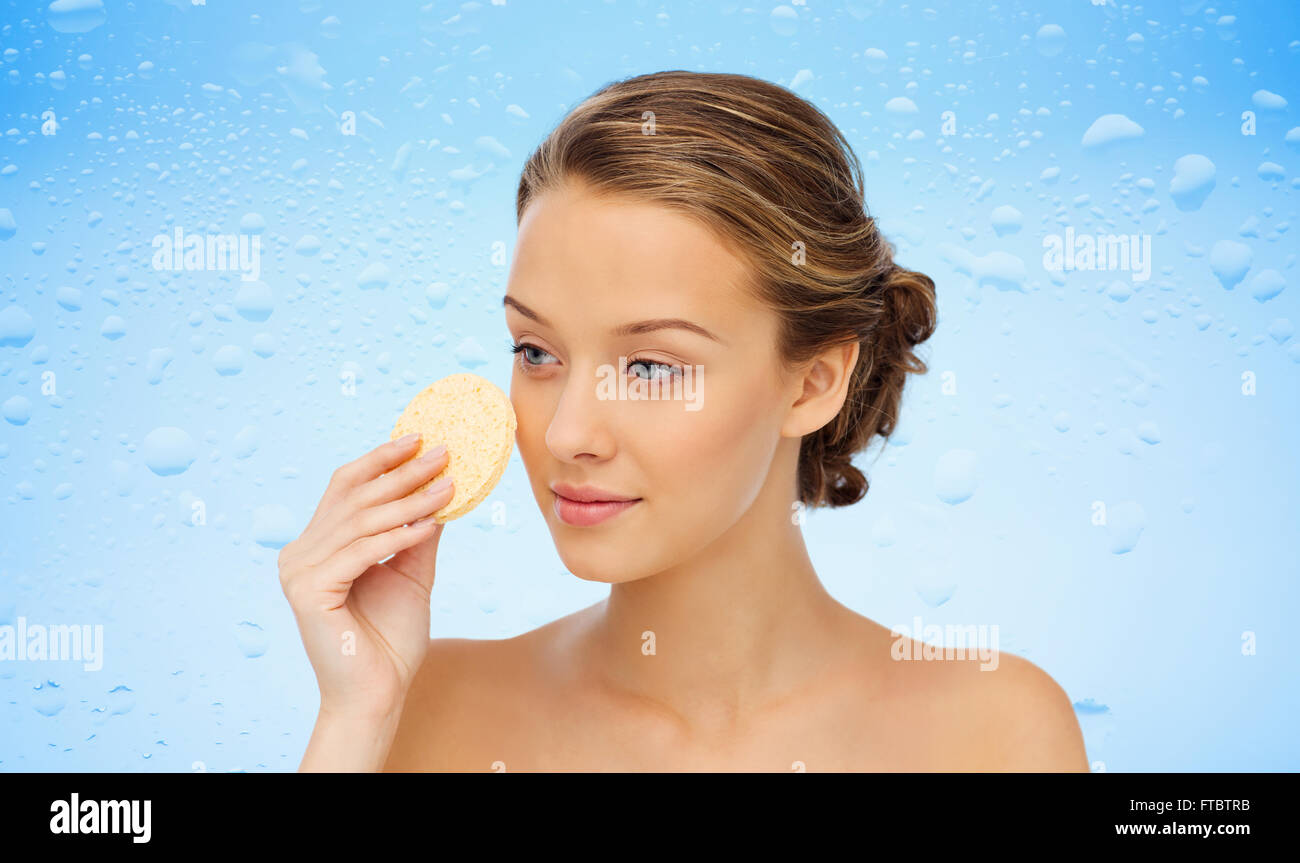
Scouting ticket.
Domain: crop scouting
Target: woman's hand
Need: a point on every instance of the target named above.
(365, 624)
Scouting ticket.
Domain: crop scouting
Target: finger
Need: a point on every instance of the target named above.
(330, 582)
(417, 562)
(348, 565)
(380, 459)
(394, 485)
(391, 486)
(350, 527)
(401, 481)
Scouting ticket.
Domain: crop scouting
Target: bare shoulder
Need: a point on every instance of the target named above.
(434, 691)
(1029, 720)
(995, 712)
(468, 695)
(456, 697)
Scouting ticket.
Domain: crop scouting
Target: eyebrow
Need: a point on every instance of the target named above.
(632, 329)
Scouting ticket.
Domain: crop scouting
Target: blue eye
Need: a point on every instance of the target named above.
(526, 360)
(669, 371)
(665, 370)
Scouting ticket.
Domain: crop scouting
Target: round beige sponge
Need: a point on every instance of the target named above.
(476, 421)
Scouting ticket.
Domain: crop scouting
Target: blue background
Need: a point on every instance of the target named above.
(1064, 389)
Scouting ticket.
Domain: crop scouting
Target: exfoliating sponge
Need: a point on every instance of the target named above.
(475, 419)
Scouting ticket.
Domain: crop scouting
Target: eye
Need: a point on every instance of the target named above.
(667, 370)
(531, 357)
(526, 361)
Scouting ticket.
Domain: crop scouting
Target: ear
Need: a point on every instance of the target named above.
(821, 390)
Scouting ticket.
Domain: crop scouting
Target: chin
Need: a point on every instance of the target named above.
(605, 560)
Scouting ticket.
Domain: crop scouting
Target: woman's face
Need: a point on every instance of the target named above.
(586, 269)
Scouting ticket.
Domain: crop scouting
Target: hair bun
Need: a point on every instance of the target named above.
(910, 297)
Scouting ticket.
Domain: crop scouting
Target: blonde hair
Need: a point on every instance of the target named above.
(766, 171)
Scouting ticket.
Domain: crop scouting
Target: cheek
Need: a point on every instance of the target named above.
(532, 414)
(714, 461)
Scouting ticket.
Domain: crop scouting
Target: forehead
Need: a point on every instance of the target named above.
(605, 252)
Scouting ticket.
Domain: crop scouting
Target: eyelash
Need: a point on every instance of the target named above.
(520, 347)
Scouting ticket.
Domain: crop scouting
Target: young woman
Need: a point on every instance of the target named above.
(677, 228)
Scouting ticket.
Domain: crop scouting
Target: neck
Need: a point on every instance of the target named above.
(715, 639)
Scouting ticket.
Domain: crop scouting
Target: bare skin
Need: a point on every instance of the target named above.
(717, 648)
(518, 705)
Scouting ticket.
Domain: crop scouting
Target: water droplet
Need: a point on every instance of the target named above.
(48, 698)
(273, 525)
(252, 223)
(784, 21)
(901, 106)
(113, 328)
(69, 298)
(264, 345)
(1266, 100)
(246, 442)
(76, 16)
(17, 410)
(1124, 523)
(437, 294)
(169, 450)
(374, 277)
(1266, 285)
(470, 354)
(956, 476)
(120, 700)
(158, 360)
(17, 327)
(253, 301)
(1050, 40)
(228, 360)
(251, 638)
(1006, 220)
(1192, 182)
(1230, 260)
(1110, 129)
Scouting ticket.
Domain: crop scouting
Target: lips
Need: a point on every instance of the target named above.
(586, 506)
(579, 514)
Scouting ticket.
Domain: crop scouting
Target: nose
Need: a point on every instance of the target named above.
(579, 428)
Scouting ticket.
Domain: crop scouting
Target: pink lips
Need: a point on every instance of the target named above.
(581, 514)
(586, 506)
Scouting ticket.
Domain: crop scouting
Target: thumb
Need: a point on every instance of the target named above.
(417, 561)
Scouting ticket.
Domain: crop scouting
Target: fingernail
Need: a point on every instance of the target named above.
(407, 440)
(421, 522)
(439, 487)
(434, 454)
